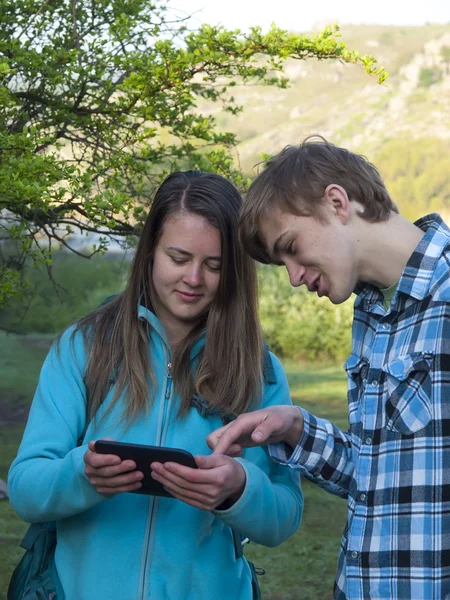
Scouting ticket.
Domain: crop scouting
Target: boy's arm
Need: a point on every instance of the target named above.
(323, 453)
(315, 446)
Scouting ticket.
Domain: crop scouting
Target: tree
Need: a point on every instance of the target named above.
(99, 100)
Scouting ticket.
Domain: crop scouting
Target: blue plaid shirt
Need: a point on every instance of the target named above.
(393, 464)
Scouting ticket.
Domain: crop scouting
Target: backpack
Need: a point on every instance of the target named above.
(35, 577)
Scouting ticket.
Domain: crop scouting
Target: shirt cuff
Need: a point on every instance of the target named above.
(283, 453)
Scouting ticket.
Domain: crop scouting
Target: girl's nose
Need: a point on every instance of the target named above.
(193, 276)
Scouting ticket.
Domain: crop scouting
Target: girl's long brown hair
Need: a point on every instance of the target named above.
(229, 372)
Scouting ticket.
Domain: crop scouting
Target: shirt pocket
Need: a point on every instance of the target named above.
(357, 368)
(409, 387)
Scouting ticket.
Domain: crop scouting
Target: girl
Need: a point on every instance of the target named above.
(165, 363)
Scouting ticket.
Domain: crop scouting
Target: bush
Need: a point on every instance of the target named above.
(428, 77)
(78, 286)
(298, 324)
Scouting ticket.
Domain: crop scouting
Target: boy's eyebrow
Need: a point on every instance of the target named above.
(186, 253)
(276, 246)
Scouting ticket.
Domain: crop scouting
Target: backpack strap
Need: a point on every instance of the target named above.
(106, 300)
(239, 541)
(111, 381)
(32, 534)
(268, 370)
(86, 425)
(206, 410)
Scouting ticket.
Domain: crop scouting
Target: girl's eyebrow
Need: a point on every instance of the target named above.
(180, 250)
(186, 253)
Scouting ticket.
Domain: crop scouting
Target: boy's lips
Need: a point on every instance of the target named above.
(321, 290)
(314, 285)
(317, 286)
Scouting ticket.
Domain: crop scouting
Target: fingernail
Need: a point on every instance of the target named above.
(257, 435)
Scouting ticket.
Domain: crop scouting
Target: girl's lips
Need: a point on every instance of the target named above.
(186, 297)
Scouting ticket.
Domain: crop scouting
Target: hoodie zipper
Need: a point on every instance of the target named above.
(154, 500)
(167, 402)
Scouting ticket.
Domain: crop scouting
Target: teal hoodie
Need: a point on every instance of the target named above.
(133, 546)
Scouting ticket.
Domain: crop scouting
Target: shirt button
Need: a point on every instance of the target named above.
(385, 326)
(362, 497)
(374, 383)
(368, 441)
(354, 554)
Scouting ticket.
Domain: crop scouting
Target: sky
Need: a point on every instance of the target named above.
(302, 15)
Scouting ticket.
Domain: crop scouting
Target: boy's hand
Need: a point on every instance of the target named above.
(265, 426)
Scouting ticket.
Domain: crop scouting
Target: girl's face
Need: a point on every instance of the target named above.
(186, 272)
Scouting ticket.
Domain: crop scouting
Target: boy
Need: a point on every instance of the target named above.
(325, 214)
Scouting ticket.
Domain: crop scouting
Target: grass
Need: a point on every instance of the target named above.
(12, 527)
(21, 358)
(302, 568)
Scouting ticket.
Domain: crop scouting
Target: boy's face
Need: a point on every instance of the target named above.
(318, 254)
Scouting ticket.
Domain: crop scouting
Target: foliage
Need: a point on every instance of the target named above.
(298, 324)
(429, 76)
(77, 287)
(99, 101)
(417, 174)
(445, 53)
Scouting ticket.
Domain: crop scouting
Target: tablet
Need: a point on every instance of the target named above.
(143, 456)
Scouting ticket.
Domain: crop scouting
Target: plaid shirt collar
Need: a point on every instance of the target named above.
(416, 277)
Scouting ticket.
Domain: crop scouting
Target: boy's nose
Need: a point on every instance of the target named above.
(296, 274)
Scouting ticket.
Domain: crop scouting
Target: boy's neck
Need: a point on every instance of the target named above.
(385, 249)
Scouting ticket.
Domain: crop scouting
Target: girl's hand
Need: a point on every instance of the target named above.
(217, 479)
(109, 474)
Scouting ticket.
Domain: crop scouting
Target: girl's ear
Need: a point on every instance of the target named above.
(338, 202)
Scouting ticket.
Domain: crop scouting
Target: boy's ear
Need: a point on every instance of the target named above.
(338, 201)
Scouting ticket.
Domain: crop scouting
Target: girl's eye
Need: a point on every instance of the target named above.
(178, 261)
(213, 267)
(289, 249)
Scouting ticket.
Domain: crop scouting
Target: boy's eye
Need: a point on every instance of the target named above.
(289, 249)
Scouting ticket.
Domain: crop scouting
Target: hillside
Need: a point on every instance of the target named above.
(410, 112)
